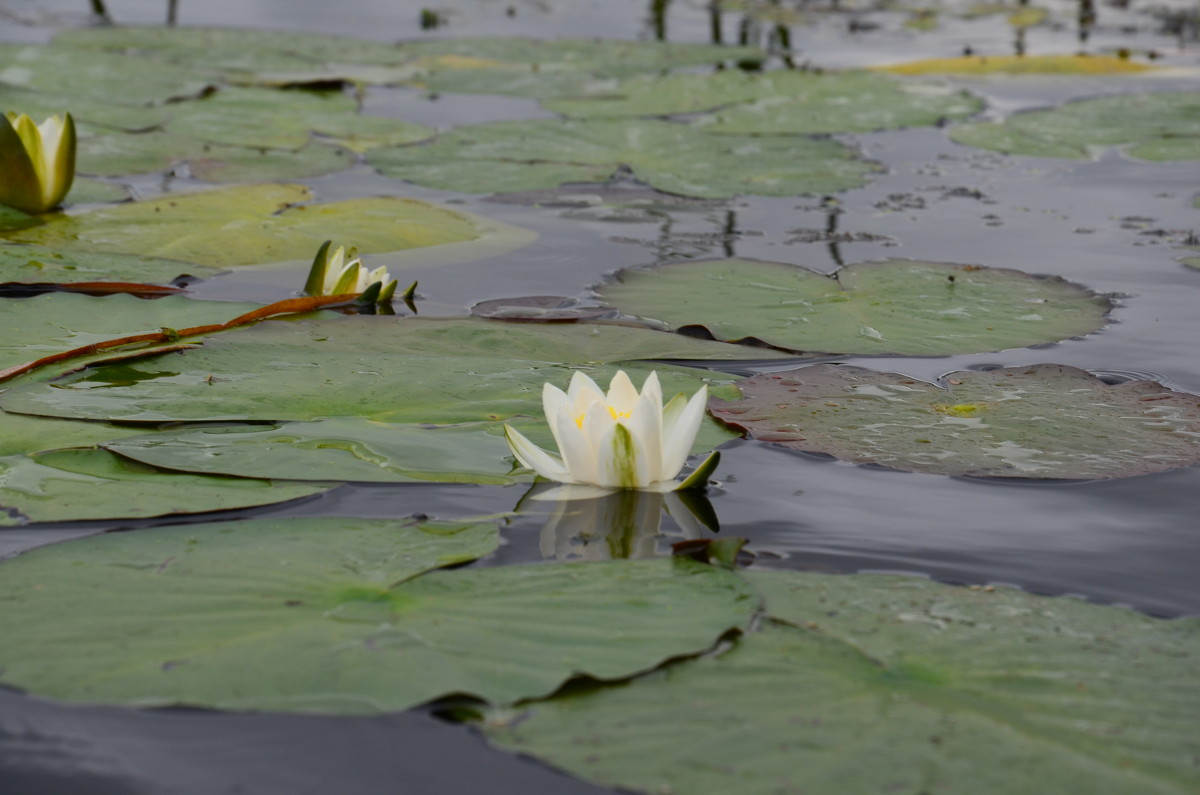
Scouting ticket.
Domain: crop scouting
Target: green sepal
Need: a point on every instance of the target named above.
(316, 274)
(699, 477)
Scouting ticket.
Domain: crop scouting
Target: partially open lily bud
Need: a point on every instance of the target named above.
(37, 162)
(341, 272)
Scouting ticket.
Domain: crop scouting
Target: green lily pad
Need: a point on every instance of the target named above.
(76, 484)
(251, 224)
(1045, 421)
(283, 119)
(1160, 126)
(91, 114)
(312, 615)
(236, 53)
(41, 265)
(875, 683)
(93, 191)
(21, 434)
(677, 158)
(545, 69)
(77, 72)
(407, 370)
(31, 328)
(897, 306)
(353, 449)
(779, 102)
(120, 154)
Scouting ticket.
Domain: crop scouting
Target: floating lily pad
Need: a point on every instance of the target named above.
(93, 191)
(77, 72)
(251, 224)
(313, 615)
(532, 155)
(21, 434)
(236, 53)
(897, 306)
(406, 370)
(1020, 64)
(350, 449)
(561, 67)
(1045, 421)
(91, 114)
(284, 119)
(34, 327)
(779, 102)
(1162, 126)
(235, 164)
(74, 484)
(41, 265)
(890, 684)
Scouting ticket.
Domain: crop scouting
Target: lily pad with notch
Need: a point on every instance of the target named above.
(329, 615)
(1046, 421)
(671, 157)
(892, 307)
(1150, 126)
(877, 683)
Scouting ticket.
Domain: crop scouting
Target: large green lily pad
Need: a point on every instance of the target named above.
(41, 265)
(326, 616)
(875, 683)
(408, 370)
(1160, 126)
(546, 69)
(242, 54)
(74, 484)
(1044, 421)
(77, 72)
(91, 113)
(21, 434)
(677, 158)
(897, 306)
(251, 224)
(352, 449)
(31, 328)
(778, 102)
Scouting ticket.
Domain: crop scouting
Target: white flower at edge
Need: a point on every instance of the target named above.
(342, 273)
(619, 440)
(37, 161)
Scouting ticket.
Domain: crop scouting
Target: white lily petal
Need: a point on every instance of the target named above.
(554, 401)
(653, 389)
(582, 392)
(533, 457)
(672, 412)
(622, 394)
(645, 425)
(678, 444)
(576, 448)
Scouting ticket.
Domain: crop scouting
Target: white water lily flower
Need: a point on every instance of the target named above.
(37, 161)
(622, 440)
(342, 273)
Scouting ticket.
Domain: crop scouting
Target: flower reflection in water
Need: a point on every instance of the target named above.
(620, 524)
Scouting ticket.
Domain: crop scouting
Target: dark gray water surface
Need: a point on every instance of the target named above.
(1111, 224)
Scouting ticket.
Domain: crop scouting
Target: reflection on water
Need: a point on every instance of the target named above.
(619, 525)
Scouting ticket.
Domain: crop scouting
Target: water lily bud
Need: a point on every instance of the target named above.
(37, 162)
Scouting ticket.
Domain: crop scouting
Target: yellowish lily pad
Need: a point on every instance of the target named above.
(1019, 65)
(251, 224)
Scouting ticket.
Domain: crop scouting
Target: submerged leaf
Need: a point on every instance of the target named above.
(1043, 421)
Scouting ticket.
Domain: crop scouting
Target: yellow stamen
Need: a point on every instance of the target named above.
(616, 415)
